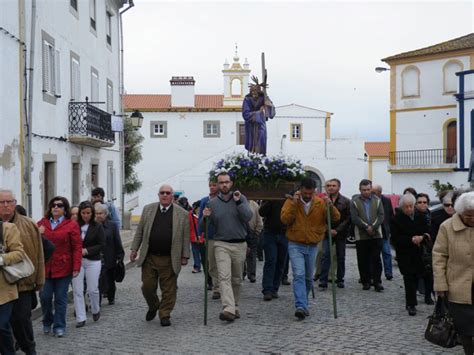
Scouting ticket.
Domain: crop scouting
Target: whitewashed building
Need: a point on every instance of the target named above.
(54, 55)
(430, 115)
(186, 133)
(377, 155)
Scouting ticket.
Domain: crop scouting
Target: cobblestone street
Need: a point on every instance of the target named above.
(368, 322)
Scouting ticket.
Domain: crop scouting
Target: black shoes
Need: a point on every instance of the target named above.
(80, 324)
(150, 315)
(96, 316)
(275, 295)
(237, 314)
(429, 301)
(285, 282)
(300, 313)
(389, 277)
(267, 297)
(378, 288)
(165, 322)
(252, 279)
(411, 310)
(216, 295)
(111, 302)
(366, 287)
(227, 316)
(323, 285)
(340, 284)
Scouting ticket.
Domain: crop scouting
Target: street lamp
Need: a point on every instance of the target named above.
(381, 69)
(136, 118)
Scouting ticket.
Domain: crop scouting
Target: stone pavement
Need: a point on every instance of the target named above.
(368, 322)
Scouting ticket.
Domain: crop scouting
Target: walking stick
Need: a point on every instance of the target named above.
(333, 278)
(206, 271)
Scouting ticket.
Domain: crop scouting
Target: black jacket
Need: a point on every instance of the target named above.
(388, 215)
(437, 218)
(403, 228)
(113, 250)
(343, 226)
(270, 211)
(94, 241)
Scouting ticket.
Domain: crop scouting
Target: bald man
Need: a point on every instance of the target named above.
(161, 246)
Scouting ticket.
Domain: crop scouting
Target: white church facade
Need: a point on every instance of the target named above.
(186, 133)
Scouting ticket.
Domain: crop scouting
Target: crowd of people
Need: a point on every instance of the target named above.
(81, 246)
(77, 246)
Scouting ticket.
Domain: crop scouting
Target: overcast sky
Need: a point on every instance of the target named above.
(318, 54)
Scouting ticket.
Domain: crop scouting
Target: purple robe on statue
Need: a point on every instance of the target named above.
(255, 126)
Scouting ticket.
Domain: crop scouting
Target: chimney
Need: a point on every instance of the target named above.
(182, 91)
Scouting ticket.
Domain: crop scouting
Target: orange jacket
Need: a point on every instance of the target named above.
(308, 228)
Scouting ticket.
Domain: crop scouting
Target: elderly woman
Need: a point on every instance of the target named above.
(453, 267)
(438, 217)
(113, 251)
(408, 231)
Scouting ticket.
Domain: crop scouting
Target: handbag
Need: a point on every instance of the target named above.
(440, 330)
(119, 271)
(15, 272)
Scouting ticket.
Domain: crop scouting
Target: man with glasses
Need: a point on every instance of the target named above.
(27, 287)
(162, 237)
(228, 214)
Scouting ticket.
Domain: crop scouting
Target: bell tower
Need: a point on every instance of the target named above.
(236, 81)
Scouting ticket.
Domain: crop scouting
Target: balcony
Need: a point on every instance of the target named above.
(89, 125)
(427, 159)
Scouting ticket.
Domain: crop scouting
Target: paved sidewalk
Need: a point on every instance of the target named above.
(368, 322)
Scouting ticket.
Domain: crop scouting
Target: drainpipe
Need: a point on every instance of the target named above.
(122, 92)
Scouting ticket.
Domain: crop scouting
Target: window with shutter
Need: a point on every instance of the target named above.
(75, 80)
(57, 74)
(94, 86)
(46, 82)
(110, 97)
(50, 66)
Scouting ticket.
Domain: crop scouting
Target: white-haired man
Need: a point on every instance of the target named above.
(163, 240)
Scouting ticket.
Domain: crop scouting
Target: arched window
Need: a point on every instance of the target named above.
(236, 87)
(410, 82)
(450, 80)
(313, 175)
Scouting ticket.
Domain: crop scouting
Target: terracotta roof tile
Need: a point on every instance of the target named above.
(464, 42)
(380, 149)
(153, 101)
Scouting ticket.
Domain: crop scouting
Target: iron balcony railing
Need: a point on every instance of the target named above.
(89, 121)
(425, 157)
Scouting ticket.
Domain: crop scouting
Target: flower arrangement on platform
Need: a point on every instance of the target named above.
(257, 170)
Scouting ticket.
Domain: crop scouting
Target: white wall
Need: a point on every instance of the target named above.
(381, 176)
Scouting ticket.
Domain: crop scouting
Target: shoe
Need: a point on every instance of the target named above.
(80, 324)
(323, 285)
(306, 313)
(412, 311)
(227, 316)
(252, 279)
(429, 301)
(216, 295)
(46, 329)
(150, 315)
(340, 284)
(267, 297)
(59, 333)
(96, 316)
(389, 277)
(366, 287)
(210, 287)
(316, 277)
(300, 314)
(378, 288)
(195, 271)
(285, 282)
(237, 314)
(111, 303)
(275, 295)
(260, 258)
(165, 322)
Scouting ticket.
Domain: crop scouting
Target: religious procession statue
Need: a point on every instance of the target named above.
(257, 108)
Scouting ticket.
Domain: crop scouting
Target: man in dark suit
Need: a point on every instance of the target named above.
(163, 240)
(386, 248)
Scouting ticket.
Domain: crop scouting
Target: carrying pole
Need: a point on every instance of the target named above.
(333, 277)
(206, 267)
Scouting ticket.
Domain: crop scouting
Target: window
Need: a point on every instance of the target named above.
(94, 175)
(76, 183)
(240, 133)
(94, 85)
(111, 180)
(450, 80)
(295, 131)
(92, 13)
(110, 97)
(212, 129)
(73, 4)
(158, 129)
(73, 8)
(108, 28)
(410, 82)
(236, 87)
(51, 69)
(75, 78)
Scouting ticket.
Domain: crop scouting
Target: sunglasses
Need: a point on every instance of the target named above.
(423, 202)
(57, 205)
(165, 192)
(448, 205)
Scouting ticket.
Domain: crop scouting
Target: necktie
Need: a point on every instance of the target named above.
(163, 210)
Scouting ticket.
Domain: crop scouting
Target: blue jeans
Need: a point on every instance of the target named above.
(275, 247)
(197, 250)
(6, 338)
(57, 287)
(326, 260)
(387, 257)
(303, 259)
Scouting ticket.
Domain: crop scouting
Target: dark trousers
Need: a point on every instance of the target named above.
(286, 268)
(111, 288)
(250, 267)
(21, 322)
(6, 339)
(260, 247)
(369, 261)
(158, 269)
(326, 260)
(275, 247)
(410, 281)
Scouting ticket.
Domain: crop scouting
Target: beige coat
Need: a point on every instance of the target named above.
(13, 254)
(453, 260)
(256, 223)
(180, 241)
(33, 246)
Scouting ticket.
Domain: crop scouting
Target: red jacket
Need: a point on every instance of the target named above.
(193, 225)
(67, 256)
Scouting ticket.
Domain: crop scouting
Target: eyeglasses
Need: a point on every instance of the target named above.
(57, 205)
(448, 205)
(165, 192)
(7, 202)
(423, 202)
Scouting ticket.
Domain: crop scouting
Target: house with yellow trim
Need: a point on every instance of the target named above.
(431, 135)
(377, 156)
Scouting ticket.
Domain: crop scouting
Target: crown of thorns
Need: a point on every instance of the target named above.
(256, 83)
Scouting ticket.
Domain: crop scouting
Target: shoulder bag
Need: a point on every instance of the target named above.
(15, 272)
(440, 330)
